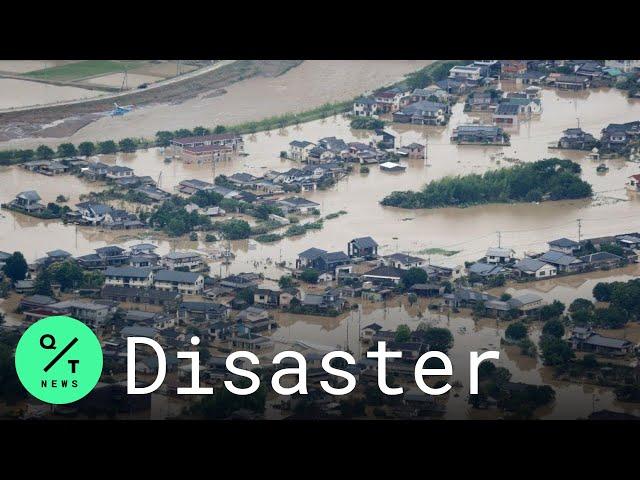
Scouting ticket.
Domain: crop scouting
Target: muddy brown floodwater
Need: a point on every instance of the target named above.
(524, 227)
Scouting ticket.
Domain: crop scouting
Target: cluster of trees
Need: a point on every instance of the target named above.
(172, 218)
(552, 179)
(233, 229)
(624, 305)
(588, 248)
(68, 275)
(366, 123)
(495, 382)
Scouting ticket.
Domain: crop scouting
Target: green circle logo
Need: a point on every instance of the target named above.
(59, 360)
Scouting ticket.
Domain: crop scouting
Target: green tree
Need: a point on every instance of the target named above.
(108, 147)
(42, 285)
(67, 150)
(11, 389)
(310, 275)
(163, 138)
(516, 331)
(234, 229)
(612, 317)
(413, 276)
(553, 327)
(67, 274)
(87, 149)
(554, 310)
(505, 297)
(437, 338)
(581, 304)
(555, 351)
(403, 333)
(219, 129)
(602, 291)
(16, 267)
(44, 153)
(127, 145)
(200, 131)
(286, 281)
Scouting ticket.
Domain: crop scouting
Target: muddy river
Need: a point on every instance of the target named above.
(524, 227)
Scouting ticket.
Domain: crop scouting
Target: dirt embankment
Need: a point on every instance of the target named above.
(37, 122)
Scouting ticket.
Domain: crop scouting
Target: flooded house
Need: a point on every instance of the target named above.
(46, 167)
(306, 258)
(391, 100)
(564, 245)
(563, 262)
(206, 153)
(513, 68)
(133, 294)
(153, 193)
(532, 267)
(383, 139)
(27, 201)
(423, 113)
(299, 150)
(507, 114)
(500, 255)
(471, 74)
(184, 261)
(363, 247)
(412, 151)
(571, 82)
(615, 137)
(577, 139)
(116, 172)
(473, 134)
(365, 107)
(602, 260)
(95, 171)
(93, 213)
(585, 339)
(482, 101)
(230, 140)
(297, 205)
(486, 270)
(432, 93)
(332, 262)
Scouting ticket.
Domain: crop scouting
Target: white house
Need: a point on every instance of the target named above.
(564, 245)
(472, 73)
(187, 283)
(403, 261)
(535, 268)
(499, 255)
(187, 261)
(94, 213)
(365, 107)
(129, 277)
(299, 150)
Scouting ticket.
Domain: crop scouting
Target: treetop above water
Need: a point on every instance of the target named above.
(547, 179)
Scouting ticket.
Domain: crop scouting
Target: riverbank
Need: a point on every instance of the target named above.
(233, 96)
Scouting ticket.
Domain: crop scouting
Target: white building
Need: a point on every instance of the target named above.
(187, 261)
(470, 73)
(129, 277)
(499, 255)
(187, 283)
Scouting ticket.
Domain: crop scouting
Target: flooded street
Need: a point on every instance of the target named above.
(470, 231)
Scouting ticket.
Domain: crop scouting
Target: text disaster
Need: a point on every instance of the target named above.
(381, 354)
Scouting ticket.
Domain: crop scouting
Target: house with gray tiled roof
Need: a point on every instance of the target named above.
(186, 283)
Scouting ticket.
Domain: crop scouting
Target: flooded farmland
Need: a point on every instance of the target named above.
(469, 231)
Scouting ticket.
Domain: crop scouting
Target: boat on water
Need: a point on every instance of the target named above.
(602, 168)
(168, 159)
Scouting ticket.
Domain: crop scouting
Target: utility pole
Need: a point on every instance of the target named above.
(579, 220)
(499, 239)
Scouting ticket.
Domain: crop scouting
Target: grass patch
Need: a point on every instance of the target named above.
(82, 69)
(438, 251)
